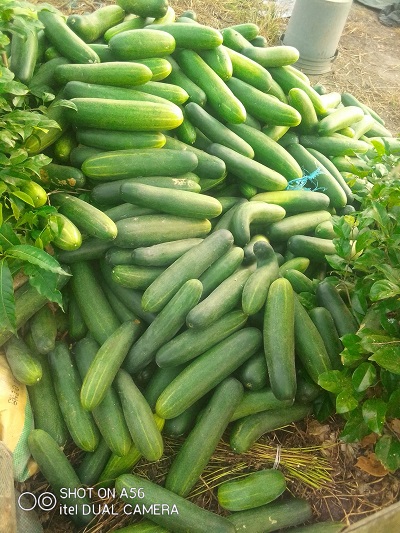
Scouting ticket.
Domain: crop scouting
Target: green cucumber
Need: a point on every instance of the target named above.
(311, 247)
(64, 146)
(335, 144)
(80, 153)
(329, 297)
(339, 119)
(279, 342)
(181, 425)
(179, 203)
(273, 56)
(254, 373)
(60, 474)
(248, 170)
(90, 248)
(207, 371)
(275, 132)
(123, 164)
(24, 48)
(93, 464)
(111, 90)
(190, 517)
(262, 106)
(135, 277)
(299, 224)
(77, 328)
(190, 265)
(87, 217)
(221, 269)
(54, 176)
(25, 367)
(253, 490)
(194, 342)
(120, 140)
(159, 66)
(126, 211)
(168, 91)
(141, 44)
(130, 23)
(320, 527)
(294, 202)
(179, 78)
(44, 330)
(92, 26)
(121, 310)
(300, 100)
(159, 381)
(166, 324)
(136, 232)
(246, 431)
(145, 8)
(323, 320)
(310, 347)
(43, 78)
(106, 363)
(201, 442)
(108, 414)
(192, 36)
(65, 40)
(299, 281)
(253, 212)
(325, 230)
(218, 59)
(144, 526)
(247, 70)
(295, 263)
(163, 254)
(139, 418)
(247, 29)
(234, 39)
(67, 385)
(256, 401)
(219, 96)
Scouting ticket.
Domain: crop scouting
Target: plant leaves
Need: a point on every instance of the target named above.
(383, 289)
(7, 302)
(334, 381)
(324, 407)
(345, 401)
(355, 428)
(388, 357)
(393, 406)
(45, 282)
(364, 377)
(374, 414)
(37, 257)
(387, 450)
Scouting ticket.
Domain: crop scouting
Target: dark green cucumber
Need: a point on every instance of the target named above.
(92, 26)
(141, 44)
(24, 48)
(253, 212)
(179, 203)
(121, 211)
(254, 373)
(159, 381)
(108, 414)
(190, 517)
(190, 265)
(253, 490)
(272, 517)
(64, 146)
(207, 371)
(323, 320)
(166, 324)
(60, 474)
(134, 276)
(311, 247)
(163, 254)
(54, 176)
(221, 269)
(25, 367)
(325, 230)
(299, 224)
(194, 342)
(77, 328)
(248, 170)
(67, 384)
(80, 153)
(329, 297)
(216, 131)
(256, 401)
(294, 202)
(178, 78)
(299, 281)
(139, 418)
(144, 230)
(246, 431)
(44, 330)
(122, 164)
(181, 425)
(121, 310)
(106, 363)
(310, 347)
(218, 59)
(262, 106)
(120, 140)
(90, 248)
(89, 296)
(93, 464)
(279, 341)
(196, 451)
(269, 152)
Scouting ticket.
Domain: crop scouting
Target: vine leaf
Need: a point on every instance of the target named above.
(7, 302)
(45, 282)
(37, 257)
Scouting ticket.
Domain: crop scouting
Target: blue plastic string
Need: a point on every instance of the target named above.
(298, 184)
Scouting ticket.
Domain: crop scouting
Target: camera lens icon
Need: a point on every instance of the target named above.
(28, 501)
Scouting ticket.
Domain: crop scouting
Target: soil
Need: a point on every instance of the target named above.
(368, 66)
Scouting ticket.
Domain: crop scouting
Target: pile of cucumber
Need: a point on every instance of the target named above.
(196, 173)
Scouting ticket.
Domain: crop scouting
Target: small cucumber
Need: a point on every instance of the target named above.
(254, 373)
(294, 202)
(256, 401)
(93, 464)
(25, 367)
(273, 56)
(92, 26)
(329, 297)
(339, 119)
(193, 36)
(300, 100)
(159, 381)
(247, 70)
(299, 281)
(54, 176)
(115, 73)
(335, 144)
(220, 270)
(323, 320)
(218, 59)
(178, 78)
(311, 247)
(163, 254)
(300, 224)
(44, 330)
(90, 248)
(253, 212)
(135, 277)
(170, 92)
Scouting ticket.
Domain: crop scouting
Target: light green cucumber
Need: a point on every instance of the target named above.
(25, 367)
(256, 401)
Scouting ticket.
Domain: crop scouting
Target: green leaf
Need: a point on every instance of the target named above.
(351, 359)
(355, 428)
(366, 238)
(393, 406)
(334, 381)
(345, 401)
(392, 274)
(374, 414)
(324, 407)
(388, 357)
(45, 282)
(24, 197)
(373, 341)
(7, 302)
(390, 381)
(364, 377)
(37, 257)
(8, 238)
(387, 450)
(383, 289)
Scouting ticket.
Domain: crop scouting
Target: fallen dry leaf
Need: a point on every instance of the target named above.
(395, 425)
(371, 465)
(369, 440)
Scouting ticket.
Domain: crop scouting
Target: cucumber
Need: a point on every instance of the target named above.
(145, 8)
(299, 281)
(136, 232)
(67, 384)
(141, 44)
(192, 36)
(25, 367)
(135, 277)
(121, 310)
(77, 328)
(179, 78)
(323, 321)
(321, 527)
(247, 29)
(43, 78)
(93, 464)
(299, 224)
(295, 202)
(144, 526)
(296, 263)
(335, 144)
(219, 96)
(168, 18)
(218, 59)
(44, 330)
(272, 517)
(310, 347)
(253, 490)
(58, 471)
(247, 70)
(89, 296)
(256, 288)
(163, 254)
(54, 176)
(139, 418)
(256, 401)
(64, 39)
(253, 212)
(92, 26)
(301, 101)
(124, 115)
(158, 382)
(254, 373)
(190, 517)
(325, 230)
(262, 106)
(329, 297)
(190, 265)
(273, 56)
(207, 371)
(339, 119)
(130, 23)
(159, 66)
(216, 131)
(181, 425)
(24, 49)
(201, 442)
(64, 146)
(248, 170)
(90, 248)
(220, 270)
(80, 153)
(120, 140)
(246, 431)
(311, 247)
(108, 414)
(106, 363)
(234, 39)
(123, 164)
(179, 203)
(166, 324)
(87, 217)
(115, 73)
(126, 211)
(168, 91)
